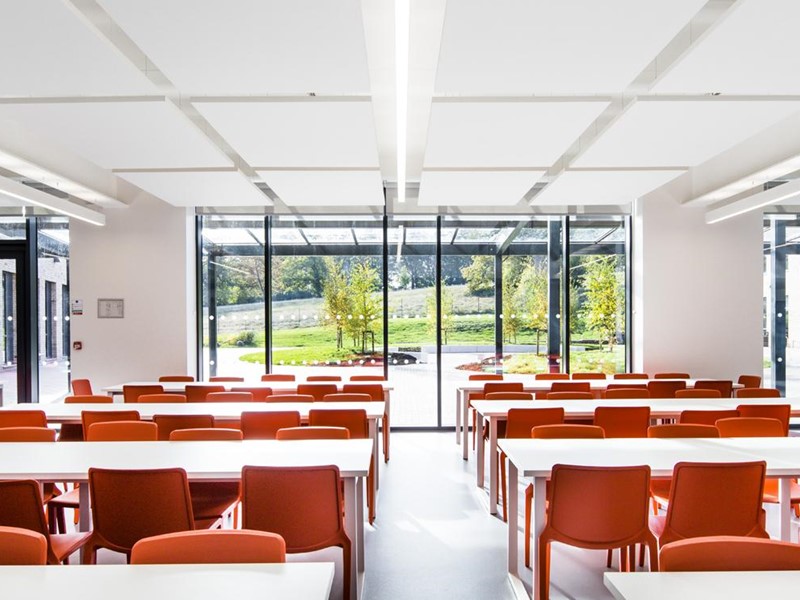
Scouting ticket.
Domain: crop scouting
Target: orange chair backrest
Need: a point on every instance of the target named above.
(260, 394)
(723, 386)
(162, 399)
(229, 397)
(131, 393)
(312, 433)
(214, 546)
(318, 390)
(665, 389)
(553, 432)
(21, 506)
(120, 515)
(623, 421)
(729, 553)
(93, 399)
(22, 547)
(758, 393)
(706, 417)
(375, 390)
(588, 375)
(674, 375)
(485, 377)
(290, 398)
(354, 420)
(23, 418)
(169, 423)
(567, 395)
(631, 376)
(749, 381)
(570, 386)
(619, 515)
(697, 393)
(503, 386)
(367, 378)
(226, 379)
(520, 421)
(627, 386)
(90, 417)
(324, 378)
(198, 393)
(215, 434)
(347, 397)
(750, 427)
(508, 396)
(626, 394)
(781, 412)
(122, 431)
(686, 430)
(715, 499)
(551, 376)
(277, 377)
(27, 434)
(82, 387)
(264, 425)
(177, 378)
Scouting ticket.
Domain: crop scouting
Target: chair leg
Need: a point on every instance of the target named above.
(346, 581)
(623, 560)
(386, 429)
(641, 555)
(632, 557)
(474, 427)
(502, 459)
(652, 546)
(371, 493)
(528, 511)
(544, 569)
(609, 558)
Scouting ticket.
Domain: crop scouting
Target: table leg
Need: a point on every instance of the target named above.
(513, 521)
(785, 507)
(373, 434)
(480, 460)
(360, 524)
(458, 415)
(537, 526)
(465, 426)
(493, 495)
(353, 506)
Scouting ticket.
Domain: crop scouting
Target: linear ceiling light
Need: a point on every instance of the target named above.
(401, 16)
(754, 202)
(28, 195)
(751, 181)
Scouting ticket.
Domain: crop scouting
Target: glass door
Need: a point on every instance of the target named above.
(13, 364)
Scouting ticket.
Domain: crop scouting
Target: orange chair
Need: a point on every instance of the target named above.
(88, 400)
(570, 386)
(685, 430)
(750, 427)
(631, 376)
(368, 378)
(318, 390)
(619, 520)
(129, 505)
(782, 412)
(301, 504)
(697, 393)
(588, 376)
(705, 417)
(758, 393)
(161, 399)
(377, 394)
(569, 396)
(198, 393)
(671, 376)
(90, 417)
(226, 379)
(723, 386)
(229, 397)
(623, 421)
(627, 394)
(490, 388)
(82, 387)
(729, 553)
(204, 547)
(480, 377)
(312, 433)
(23, 418)
(627, 386)
(131, 393)
(216, 434)
(324, 378)
(290, 398)
(665, 389)
(22, 547)
(264, 425)
(21, 506)
(508, 396)
(27, 434)
(176, 378)
(260, 394)
(122, 431)
(277, 377)
(749, 381)
(169, 423)
(551, 376)
(346, 397)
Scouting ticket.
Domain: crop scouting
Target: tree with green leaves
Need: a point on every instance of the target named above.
(602, 298)
(364, 320)
(531, 299)
(336, 299)
(447, 313)
(479, 275)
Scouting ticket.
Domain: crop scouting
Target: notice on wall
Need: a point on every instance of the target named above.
(110, 308)
(77, 307)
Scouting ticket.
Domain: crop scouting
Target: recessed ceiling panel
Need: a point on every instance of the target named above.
(47, 50)
(297, 134)
(120, 135)
(200, 188)
(505, 134)
(475, 188)
(250, 46)
(576, 188)
(681, 133)
(327, 188)
(752, 51)
(548, 46)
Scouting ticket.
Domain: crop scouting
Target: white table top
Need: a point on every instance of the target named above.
(288, 581)
(222, 411)
(739, 585)
(177, 387)
(535, 458)
(540, 385)
(216, 461)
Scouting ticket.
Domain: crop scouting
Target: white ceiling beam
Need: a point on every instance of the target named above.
(21, 193)
(788, 192)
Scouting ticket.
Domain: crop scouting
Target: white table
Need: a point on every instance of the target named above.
(723, 585)
(287, 581)
(533, 386)
(203, 461)
(533, 458)
(494, 411)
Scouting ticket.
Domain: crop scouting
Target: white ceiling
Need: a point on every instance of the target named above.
(202, 188)
(575, 188)
(475, 188)
(327, 188)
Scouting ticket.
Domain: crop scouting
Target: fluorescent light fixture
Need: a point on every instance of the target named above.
(28, 195)
(401, 29)
(757, 201)
(752, 180)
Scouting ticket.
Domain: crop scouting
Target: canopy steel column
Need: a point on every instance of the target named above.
(554, 268)
(778, 257)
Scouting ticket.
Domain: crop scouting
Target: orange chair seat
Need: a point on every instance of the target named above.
(64, 544)
(771, 491)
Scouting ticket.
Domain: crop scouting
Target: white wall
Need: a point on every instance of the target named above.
(697, 296)
(145, 255)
